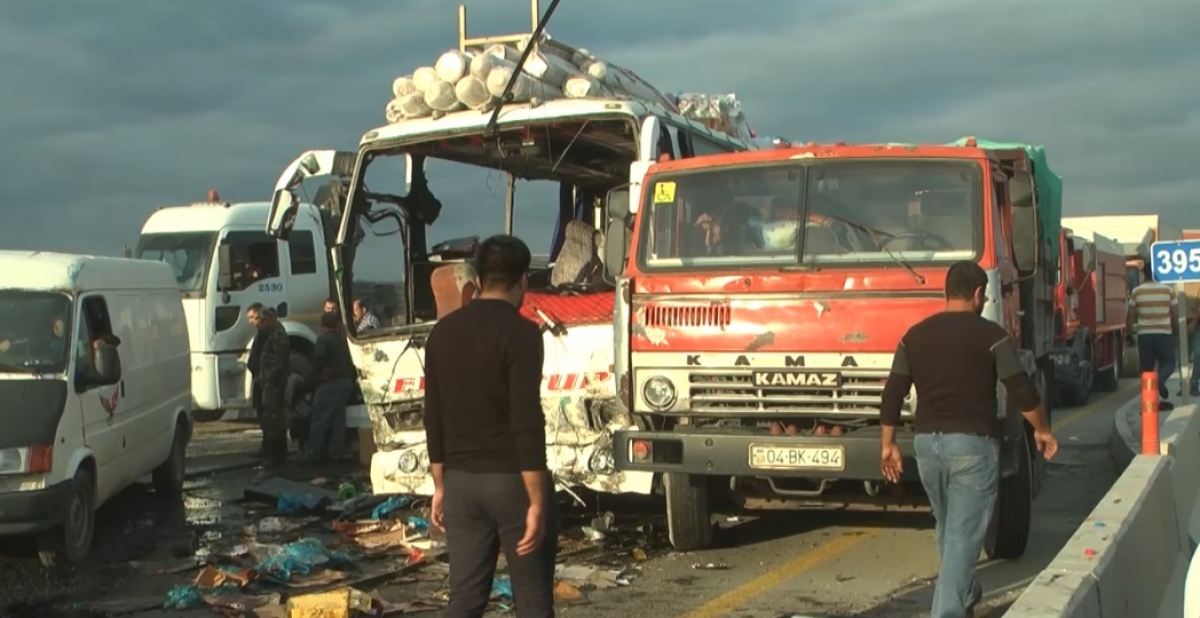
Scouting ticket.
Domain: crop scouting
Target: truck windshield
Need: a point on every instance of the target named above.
(188, 253)
(850, 212)
(34, 331)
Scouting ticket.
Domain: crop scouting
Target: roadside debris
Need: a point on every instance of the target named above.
(308, 552)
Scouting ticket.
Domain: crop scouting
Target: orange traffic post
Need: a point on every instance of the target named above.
(1150, 413)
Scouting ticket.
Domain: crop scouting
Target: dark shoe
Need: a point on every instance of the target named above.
(1195, 391)
(1165, 406)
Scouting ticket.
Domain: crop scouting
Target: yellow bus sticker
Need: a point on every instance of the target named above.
(664, 193)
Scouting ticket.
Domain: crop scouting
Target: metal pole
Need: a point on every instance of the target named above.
(1185, 365)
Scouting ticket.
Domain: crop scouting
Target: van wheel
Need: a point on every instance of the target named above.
(72, 541)
(689, 512)
(1008, 529)
(168, 477)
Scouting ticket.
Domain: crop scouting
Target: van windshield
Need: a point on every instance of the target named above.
(188, 253)
(34, 331)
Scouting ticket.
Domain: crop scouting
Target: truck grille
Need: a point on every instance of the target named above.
(675, 316)
(734, 392)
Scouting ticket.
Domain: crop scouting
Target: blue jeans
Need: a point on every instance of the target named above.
(1156, 351)
(961, 474)
(329, 418)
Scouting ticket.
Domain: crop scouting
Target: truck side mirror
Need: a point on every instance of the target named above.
(1026, 228)
(108, 364)
(224, 269)
(617, 233)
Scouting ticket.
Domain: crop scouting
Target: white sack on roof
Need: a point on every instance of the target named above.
(452, 66)
(402, 86)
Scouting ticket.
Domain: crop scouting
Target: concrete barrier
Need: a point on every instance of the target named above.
(1132, 554)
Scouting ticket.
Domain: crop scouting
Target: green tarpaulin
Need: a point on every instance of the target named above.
(1048, 185)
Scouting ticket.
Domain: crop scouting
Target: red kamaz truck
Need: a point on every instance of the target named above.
(765, 295)
(1089, 317)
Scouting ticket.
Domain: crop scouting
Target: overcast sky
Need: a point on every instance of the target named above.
(114, 107)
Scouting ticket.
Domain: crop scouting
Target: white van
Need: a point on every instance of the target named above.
(95, 391)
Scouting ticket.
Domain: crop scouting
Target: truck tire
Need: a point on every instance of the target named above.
(1077, 395)
(689, 513)
(1008, 530)
(1109, 378)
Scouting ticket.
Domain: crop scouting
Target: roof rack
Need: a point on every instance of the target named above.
(465, 43)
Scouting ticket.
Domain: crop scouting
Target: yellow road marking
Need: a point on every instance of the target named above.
(724, 604)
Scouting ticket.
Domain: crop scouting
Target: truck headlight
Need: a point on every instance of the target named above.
(659, 393)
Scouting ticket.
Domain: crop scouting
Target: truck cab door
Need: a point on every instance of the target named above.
(250, 269)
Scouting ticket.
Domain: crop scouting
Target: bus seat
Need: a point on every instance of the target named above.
(454, 285)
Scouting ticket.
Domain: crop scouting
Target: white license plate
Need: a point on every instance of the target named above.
(778, 457)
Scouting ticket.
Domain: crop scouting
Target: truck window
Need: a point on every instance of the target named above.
(188, 253)
(254, 256)
(302, 252)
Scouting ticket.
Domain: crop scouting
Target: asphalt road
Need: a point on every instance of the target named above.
(822, 563)
(810, 563)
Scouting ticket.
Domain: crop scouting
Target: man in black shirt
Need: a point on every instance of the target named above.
(954, 359)
(333, 377)
(253, 363)
(487, 440)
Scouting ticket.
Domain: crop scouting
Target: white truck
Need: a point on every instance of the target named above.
(224, 262)
(593, 148)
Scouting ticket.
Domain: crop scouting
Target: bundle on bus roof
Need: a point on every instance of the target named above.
(473, 77)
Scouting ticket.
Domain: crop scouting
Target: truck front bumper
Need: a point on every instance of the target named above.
(726, 453)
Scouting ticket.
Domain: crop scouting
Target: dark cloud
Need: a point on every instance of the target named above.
(114, 108)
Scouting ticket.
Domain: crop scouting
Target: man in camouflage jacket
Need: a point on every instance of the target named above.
(273, 376)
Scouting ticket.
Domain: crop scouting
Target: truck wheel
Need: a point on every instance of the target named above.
(1077, 395)
(689, 513)
(72, 541)
(1109, 378)
(1008, 530)
(168, 477)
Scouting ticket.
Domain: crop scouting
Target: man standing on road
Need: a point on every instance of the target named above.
(487, 440)
(276, 367)
(333, 376)
(954, 359)
(254, 364)
(1153, 316)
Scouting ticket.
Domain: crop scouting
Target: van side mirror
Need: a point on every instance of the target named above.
(617, 232)
(108, 364)
(1026, 228)
(224, 269)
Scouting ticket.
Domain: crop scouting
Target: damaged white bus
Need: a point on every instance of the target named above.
(586, 126)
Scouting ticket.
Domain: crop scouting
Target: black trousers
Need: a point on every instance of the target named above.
(484, 514)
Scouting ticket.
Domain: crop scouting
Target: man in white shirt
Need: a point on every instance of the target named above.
(1153, 315)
